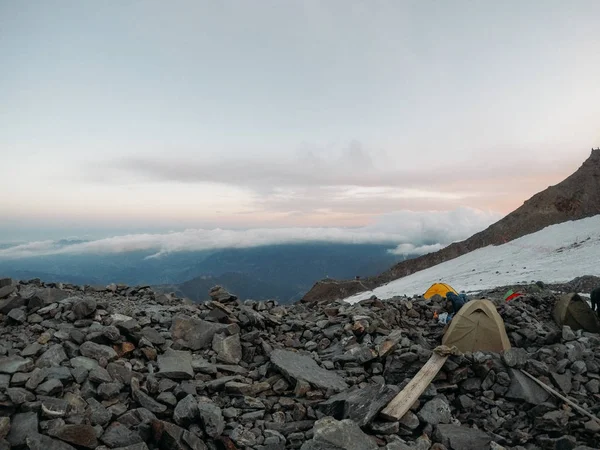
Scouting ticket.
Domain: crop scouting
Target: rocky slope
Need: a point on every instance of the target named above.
(576, 197)
(130, 369)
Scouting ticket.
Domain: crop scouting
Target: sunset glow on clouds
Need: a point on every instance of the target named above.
(287, 114)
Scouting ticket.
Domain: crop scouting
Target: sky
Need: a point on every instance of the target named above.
(118, 118)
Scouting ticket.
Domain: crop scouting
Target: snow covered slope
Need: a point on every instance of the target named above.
(555, 254)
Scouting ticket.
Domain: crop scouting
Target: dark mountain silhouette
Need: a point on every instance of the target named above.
(576, 197)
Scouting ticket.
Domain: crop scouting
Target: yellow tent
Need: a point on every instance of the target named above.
(477, 327)
(574, 311)
(440, 289)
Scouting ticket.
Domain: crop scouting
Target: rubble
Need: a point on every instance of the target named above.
(123, 367)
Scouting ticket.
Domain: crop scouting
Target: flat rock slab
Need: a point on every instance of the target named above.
(360, 405)
(331, 434)
(301, 367)
(13, 364)
(176, 365)
(96, 351)
(22, 425)
(525, 389)
(456, 437)
(41, 442)
(193, 333)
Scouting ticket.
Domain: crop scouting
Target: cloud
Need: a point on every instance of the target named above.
(405, 230)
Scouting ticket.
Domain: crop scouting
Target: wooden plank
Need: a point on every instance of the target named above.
(562, 397)
(400, 405)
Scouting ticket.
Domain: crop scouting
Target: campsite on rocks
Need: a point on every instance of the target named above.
(123, 367)
(299, 224)
(512, 366)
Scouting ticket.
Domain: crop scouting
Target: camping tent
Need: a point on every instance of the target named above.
(574, 311)
(477, 326)
(440, 289)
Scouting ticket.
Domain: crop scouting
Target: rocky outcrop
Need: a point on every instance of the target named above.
(125, 368)
(576, 197)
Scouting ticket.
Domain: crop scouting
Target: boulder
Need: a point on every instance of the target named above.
(361, 405)
(331, 434)
(193, 333)
(457, 437)
(298, 367)
(176, 365)
(525, 389)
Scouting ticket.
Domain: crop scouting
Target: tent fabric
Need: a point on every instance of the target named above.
(440, 289)
(477, 327)
(574, 311)
(511, 295)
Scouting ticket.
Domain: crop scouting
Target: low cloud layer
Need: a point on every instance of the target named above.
(407, 232)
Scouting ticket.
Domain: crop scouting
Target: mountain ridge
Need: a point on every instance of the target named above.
(576, 197)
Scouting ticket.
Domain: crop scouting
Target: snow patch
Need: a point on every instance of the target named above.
(556, 254)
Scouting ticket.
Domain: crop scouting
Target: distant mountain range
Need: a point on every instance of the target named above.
(576, 197)
(283, 272)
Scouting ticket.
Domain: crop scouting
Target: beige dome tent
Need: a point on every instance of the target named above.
(477, 327)
(574, 311)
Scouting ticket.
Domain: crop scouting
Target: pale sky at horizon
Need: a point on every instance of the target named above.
(151, 115)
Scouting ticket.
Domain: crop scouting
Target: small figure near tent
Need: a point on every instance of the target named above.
(595, 299)
(458, 300)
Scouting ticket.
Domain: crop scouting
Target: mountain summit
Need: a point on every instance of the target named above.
(576, 197)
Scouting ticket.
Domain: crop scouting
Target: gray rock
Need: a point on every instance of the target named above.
(81, 435)
(522, 388)
(568, 334)
(120, 372)
(22, 425)
(14, 364)
(153, 336)
(4, 427)
(562, 381)
(31, 350)
(515, 357)
(228, 348)
(243, 437)
(134, 417)
(301, 367)
(41, 442)
(99, 375)
(8, 304)
(457, 437)
(145, 401)
(118, 435)
(50, 387)
(83, 362)
(330, 434)
(19, 395)
(194, 334)
(170, 436)
(435, 411)
(107, 391)
(97, 413)
(211, 418)
(18, 315)
(52, 357)
(186, 411)
(176, 365)
(45, 297)
(96, 351)
(360, 405)
(6, 290)
(54, 407)
(83, 307)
